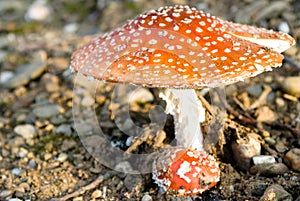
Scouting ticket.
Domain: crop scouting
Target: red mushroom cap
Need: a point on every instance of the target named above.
(181, 47)
(186, 171)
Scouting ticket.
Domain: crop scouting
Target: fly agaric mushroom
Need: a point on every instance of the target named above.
(181, 49)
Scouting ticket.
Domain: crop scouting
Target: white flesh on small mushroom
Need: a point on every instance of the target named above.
(188, 113)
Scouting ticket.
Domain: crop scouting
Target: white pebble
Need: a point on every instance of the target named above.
(16, 171)
(5, 76)
(147, 198)
(284, 27)
(62, 157)
(27, 131)
(263, 159)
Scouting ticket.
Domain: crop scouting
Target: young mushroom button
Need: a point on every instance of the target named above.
(182, 48)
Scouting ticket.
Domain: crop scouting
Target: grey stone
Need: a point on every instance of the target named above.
(276, 193)
(64, 129)
(25, 73)
(147, 198)
(5, 76)
(47, 111)
(32, 163)
(5, 193)
(270, 169)
(16, 171)
(254, 90)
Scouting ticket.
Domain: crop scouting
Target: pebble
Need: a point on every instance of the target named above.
(51, 82)
(16, 171)
(14, 199)
(245, 149)
(22, 152)
(47, 156)
(27, 131)
(292, 158)
(5, 193)
(284, 27)
(47, 111)
(71, 27)
(57, 120)
(133, 181)
(78, 199)
(68, 144)
(263, 159)
(276, 193)
(25, 73)
(270, 140)
(146, 198)
(96, 194)
(87, 101)
(279, 102)
(64, 129)
(280, 146)
(256, 188)
(254, 90)
(5, 76)
(291, 85)
(39, 10)
(62, 157)
(268, 79)
(32, 163)
(270, 169)
(19, 191)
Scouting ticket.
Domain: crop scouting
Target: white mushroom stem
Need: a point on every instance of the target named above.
(188, 113)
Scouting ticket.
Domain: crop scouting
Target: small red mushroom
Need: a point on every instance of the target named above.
(186, 171)
(179, 47)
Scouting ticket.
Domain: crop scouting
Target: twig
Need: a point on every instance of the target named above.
(294, 131)
(83, 189)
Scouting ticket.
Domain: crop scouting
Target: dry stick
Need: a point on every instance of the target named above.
(83, 189)
(246, 113)
(236, 114)
(294, 131)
